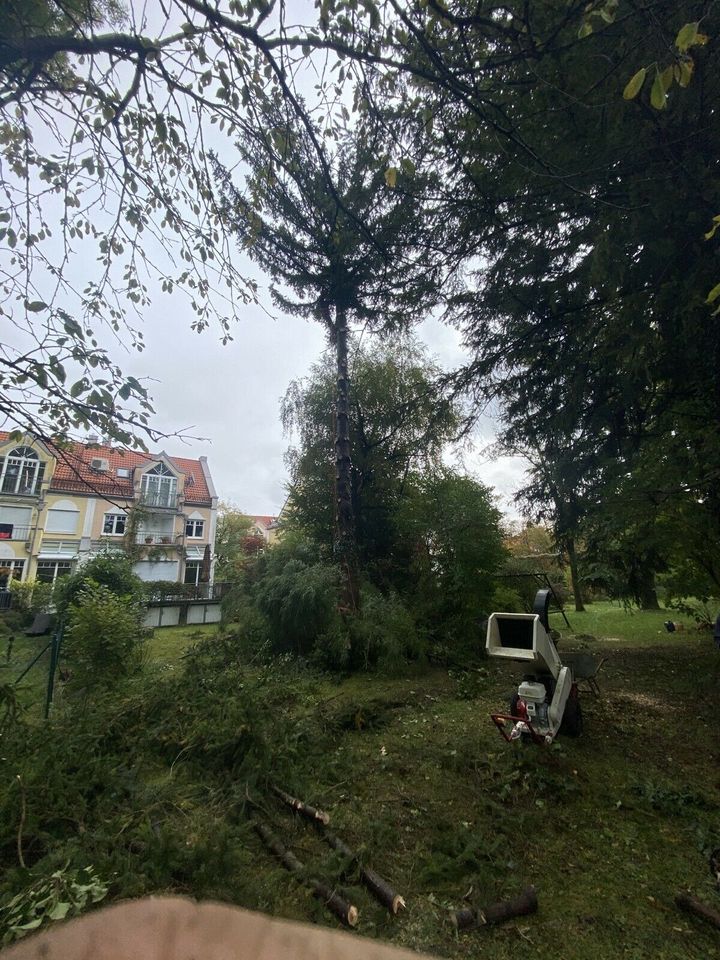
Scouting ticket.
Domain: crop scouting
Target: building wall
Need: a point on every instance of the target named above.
(55, 527)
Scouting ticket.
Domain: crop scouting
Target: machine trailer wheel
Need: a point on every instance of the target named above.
(572, 721)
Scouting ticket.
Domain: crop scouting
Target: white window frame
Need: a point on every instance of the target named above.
(192, 565)
(16, 568)
(66, 565)
(159, 487)
(28, 464)
(114, 518)
(193, 525)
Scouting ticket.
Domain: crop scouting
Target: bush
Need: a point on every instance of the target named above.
(160, 589)
(384, 634)
(30, 597)
(111, 570)
(103, 635)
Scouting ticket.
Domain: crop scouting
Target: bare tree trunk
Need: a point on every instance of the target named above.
(574, 574)
(345, 546)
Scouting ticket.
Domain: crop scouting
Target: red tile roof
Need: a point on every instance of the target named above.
(263, 521)
(74, 474)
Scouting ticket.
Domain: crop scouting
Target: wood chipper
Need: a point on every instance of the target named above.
(546, 702)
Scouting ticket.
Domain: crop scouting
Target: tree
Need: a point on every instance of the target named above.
(582, 217)
(429, 538)
(454, 531)
(400, 425)
(234, 542)
(352, 249)
(104, 126)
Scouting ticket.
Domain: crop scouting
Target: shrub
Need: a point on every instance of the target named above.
(160, 589)
(111, 570)
(103, 635)
(31, 596)
(384, 634)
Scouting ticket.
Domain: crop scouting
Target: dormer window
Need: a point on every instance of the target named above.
(21, 472)
(159, 487)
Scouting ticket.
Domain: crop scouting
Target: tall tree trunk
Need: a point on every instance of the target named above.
(345, 546)
(647, 594)
(574, 574)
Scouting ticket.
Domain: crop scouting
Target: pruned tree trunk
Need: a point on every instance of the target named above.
(647, 591)
(470, 919)
(378, 887)
(575, 575)
(343, 910)
(304, 809)
(691, 905)
(345, 545)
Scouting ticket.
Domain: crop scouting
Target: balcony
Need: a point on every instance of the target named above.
(159, 501)
(14, 488)
(163, 539)
(11, 531)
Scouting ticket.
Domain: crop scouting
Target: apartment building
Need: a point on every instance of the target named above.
(59, 505)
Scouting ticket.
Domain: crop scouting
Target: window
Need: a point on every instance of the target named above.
(21, 472)
(194, 528)
(192, 571)
(15, 523)
(123, 472)
(10, 570)
(114, 524)
(48, 571)
(159, 487)
(62, 520)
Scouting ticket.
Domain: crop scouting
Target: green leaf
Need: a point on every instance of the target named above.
(658, 97)
(35, 306)
(666, 77)
(686, 37)
(634, 84)
(714, 294)
(585, 30)
(59, 911)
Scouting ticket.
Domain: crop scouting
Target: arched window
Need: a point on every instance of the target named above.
(159, 487)
(21, 472)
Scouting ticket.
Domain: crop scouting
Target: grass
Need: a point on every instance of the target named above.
(612, 621)
(608, 827)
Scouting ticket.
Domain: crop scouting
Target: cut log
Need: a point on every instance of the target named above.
(378, 887)
(304, 809)
(468, 919)
(698, 908)
(331, 898)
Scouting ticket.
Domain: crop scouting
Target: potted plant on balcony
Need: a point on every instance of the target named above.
(148, 539)
(165, 539)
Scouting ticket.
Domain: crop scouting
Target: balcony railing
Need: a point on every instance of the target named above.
(165, 539)
(187, 591)
(11, 487)
(15, 532)
(162, 500)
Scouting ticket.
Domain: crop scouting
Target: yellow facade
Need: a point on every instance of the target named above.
(46, 530)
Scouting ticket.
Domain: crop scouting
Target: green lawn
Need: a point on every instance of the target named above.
(612, 621)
